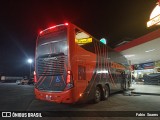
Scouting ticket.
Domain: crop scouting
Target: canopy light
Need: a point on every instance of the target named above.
(128, 56)
(103, 40)
(150, 50)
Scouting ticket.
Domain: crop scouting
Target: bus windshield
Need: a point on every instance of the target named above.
(53, 41)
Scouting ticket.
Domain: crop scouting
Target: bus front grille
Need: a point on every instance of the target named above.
(50, 66)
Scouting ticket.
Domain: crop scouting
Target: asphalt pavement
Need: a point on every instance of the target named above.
(146, 89)
(20, 98)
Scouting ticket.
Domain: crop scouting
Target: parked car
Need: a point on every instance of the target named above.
(31, 81)
(25, 81)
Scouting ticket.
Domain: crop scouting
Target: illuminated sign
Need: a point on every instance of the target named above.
(83, 41)
(103, 40)
(154, 21)
(143, 66)
(117, 66)
(154, 17)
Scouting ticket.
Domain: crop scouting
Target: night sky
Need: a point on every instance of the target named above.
(21, 21)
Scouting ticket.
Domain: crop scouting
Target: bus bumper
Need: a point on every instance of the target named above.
(57, 97)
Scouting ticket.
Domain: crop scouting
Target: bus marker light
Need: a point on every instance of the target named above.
(69, 72)
(52, 27)
(65, 23)
(81, 94)
(40, 32)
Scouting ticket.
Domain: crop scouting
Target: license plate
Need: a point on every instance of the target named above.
(48, 97)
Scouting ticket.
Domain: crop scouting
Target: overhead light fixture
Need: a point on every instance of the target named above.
(148, 60)
(150, 50)
(128, 56)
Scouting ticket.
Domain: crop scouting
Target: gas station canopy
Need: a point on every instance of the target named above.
(142, 50)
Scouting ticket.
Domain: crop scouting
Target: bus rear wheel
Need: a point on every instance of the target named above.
(106, 92)
(97, 95)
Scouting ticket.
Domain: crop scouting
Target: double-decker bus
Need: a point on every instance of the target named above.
(72, 66)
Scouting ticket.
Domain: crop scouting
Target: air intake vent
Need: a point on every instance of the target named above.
(50, 66)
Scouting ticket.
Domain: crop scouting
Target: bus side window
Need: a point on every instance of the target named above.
(81, 72)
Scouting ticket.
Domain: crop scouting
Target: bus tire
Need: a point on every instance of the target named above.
(105, 93)
(97, 95)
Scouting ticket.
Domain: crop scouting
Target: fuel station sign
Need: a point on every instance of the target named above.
(155, 16)
(154, 21)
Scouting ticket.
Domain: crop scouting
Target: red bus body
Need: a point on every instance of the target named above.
(71, 64)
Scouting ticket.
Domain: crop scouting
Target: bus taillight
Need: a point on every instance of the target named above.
(69, 80)
(35, 78)
(68, 76)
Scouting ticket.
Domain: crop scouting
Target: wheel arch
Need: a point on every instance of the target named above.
(108, 87)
